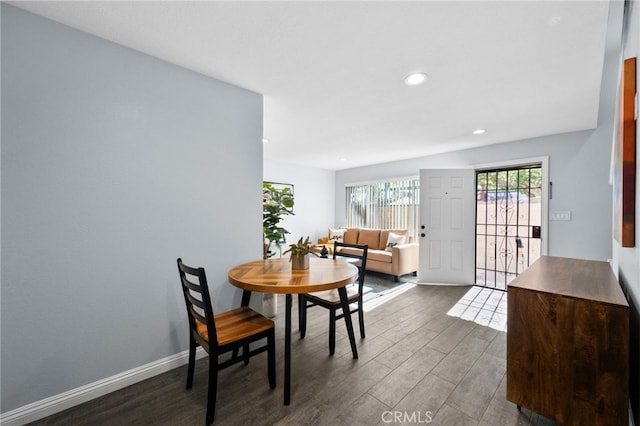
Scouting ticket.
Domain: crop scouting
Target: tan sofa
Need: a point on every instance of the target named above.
(401, 259)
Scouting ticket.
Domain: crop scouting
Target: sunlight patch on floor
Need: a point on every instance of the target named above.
(484, 306)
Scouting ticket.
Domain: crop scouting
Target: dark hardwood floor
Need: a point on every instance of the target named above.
(417, 365)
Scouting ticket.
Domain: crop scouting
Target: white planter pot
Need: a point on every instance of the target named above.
(269, 305)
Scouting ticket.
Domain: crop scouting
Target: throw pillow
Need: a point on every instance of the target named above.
(336, 235)
(393, 240)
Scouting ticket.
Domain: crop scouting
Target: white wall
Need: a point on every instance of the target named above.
(113, 165)
(313, 197)
(579, 165)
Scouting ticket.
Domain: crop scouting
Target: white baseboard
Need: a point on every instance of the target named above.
(57, 403)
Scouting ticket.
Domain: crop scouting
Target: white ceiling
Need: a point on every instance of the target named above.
(332, 72)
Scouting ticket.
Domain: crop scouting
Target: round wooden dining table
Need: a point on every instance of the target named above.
(276, 276)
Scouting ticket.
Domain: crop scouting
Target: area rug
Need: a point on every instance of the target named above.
(380, 283)
(379, 288)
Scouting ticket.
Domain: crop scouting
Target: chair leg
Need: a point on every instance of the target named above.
(271, 359)
(361, 317)
(332, 331)
(213, 388)
(192, 362)
(302, 315)
(299, 311)
(245, 353)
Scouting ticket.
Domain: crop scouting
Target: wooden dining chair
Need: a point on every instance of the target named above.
(330, 299)
(219, 333)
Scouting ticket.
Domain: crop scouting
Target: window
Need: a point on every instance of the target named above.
(385, 205)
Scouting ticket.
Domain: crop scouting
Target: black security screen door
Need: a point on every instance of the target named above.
(508, 223)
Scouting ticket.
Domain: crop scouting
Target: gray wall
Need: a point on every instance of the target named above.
(578, 168)
(97, 140)
(627, 260)
(113, 165)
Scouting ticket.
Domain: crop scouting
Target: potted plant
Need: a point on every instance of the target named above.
(276, 203)
(299, 252)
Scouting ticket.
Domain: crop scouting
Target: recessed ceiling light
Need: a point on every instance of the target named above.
(343, 159)
(265, 140)
(415, 79)
(479, 131)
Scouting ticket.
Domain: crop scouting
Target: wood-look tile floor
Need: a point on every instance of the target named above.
(417, 365)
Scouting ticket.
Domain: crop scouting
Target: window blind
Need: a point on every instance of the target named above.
(385, 205)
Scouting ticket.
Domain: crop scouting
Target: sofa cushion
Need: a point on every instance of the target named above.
(394, 240)
(351, 236)
(384, 235)
(379, 256)
(370, 237)
(351, 250)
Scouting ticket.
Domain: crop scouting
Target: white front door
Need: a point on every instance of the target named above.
(447, 220)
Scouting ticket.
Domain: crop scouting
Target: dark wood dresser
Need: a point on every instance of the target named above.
(568, 342)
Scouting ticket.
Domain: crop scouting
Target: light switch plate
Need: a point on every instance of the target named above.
(560, 215)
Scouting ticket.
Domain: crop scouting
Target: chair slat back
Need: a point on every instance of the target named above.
(360, 253)
(198, 303)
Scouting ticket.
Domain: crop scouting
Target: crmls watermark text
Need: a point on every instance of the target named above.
(406, 417)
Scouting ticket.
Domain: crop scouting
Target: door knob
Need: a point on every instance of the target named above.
(423, 235)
